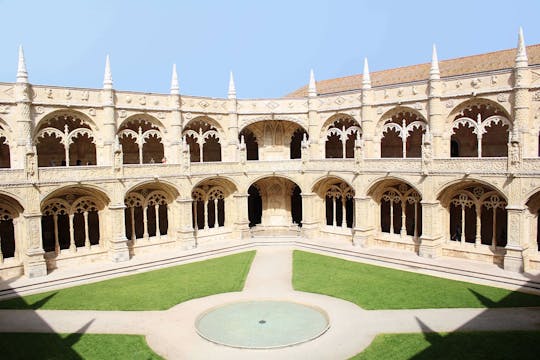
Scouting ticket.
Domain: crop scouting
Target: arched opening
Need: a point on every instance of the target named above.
(5, 160)
(533, 205)
(340, 136)
(211, 199)
(296, 143)
(9, 216)
(481, 130)
(477, 214)
(71, 220)
(252, 148)
(402, 135)
(65, 140)
(146, 213)
(141, 142)
(337, 198)
(280, 203)
(400, 209)
(273, 140)
(203, 141)
(254, 206)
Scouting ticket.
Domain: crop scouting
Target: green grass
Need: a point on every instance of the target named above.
(459, 345)
(153, 290)
(374, 287)
(74, 346)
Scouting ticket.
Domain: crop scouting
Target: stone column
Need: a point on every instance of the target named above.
(430, 240)
(182, 211)
(24, 128)
(34, 262)
(118, 249)
(241, 225)
(363, 229)
(310, 222)
(517, 242)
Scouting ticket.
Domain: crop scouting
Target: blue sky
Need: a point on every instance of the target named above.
(269, 45)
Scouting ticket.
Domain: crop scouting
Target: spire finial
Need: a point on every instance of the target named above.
(175, 88)
(232, 89)
(366, 78)
(312, 88)
(521, 56)
(107, 78)
(434, 72)
(22, 74)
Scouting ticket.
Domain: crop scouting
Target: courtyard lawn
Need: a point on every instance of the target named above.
(374, 287)
(459, 345)
(154, 290)
(75, 346)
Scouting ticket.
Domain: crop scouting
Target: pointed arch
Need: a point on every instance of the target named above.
(142, 140)
(203, 136)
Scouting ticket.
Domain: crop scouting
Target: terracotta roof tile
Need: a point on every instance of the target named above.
(498, 60)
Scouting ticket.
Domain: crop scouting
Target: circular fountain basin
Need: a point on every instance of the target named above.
(262, 324)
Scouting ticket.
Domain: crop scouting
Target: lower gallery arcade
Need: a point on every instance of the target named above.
(76, 222)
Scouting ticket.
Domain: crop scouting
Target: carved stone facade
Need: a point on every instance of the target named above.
(445, 166)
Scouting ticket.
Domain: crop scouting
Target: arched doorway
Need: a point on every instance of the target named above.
(275, 204)
(9, 218)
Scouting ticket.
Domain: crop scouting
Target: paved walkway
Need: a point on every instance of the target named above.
(172, 334)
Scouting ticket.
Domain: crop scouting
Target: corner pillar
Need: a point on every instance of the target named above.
(516, 246)
(118, 249)
(182, 209)
(34, 260)
(363, 230)
(430, 241)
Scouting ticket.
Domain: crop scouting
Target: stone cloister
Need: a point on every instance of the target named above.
(440, 159)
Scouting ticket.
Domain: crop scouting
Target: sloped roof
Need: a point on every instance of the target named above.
(497, 60)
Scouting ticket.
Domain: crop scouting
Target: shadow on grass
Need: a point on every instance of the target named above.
(44, 345)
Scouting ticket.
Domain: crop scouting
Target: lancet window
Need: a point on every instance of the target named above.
(70, 222)
(146, 215)
(208, 207)
(7, 233)
(339, 205)
(478, 215)
(401, 211)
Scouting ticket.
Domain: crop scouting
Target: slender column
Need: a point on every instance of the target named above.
(479, 141)
(158, 231)
(66, 152)
(145, 222)
(86, 237)
(494, 235)
(216, 223)
(343, 217)
(195, 207)
(403, 230)
(56, 241)
(140, 153)
(132, 214)
(478, 238)
(404, 139)
(391, 216)
(334, 210)
(200, 152)
(416, 220)
(72, 246)
(1, 254)
(205, 215)
(462, 224)
(344, 142)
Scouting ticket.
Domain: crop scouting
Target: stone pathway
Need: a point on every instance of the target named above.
(172, 333)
